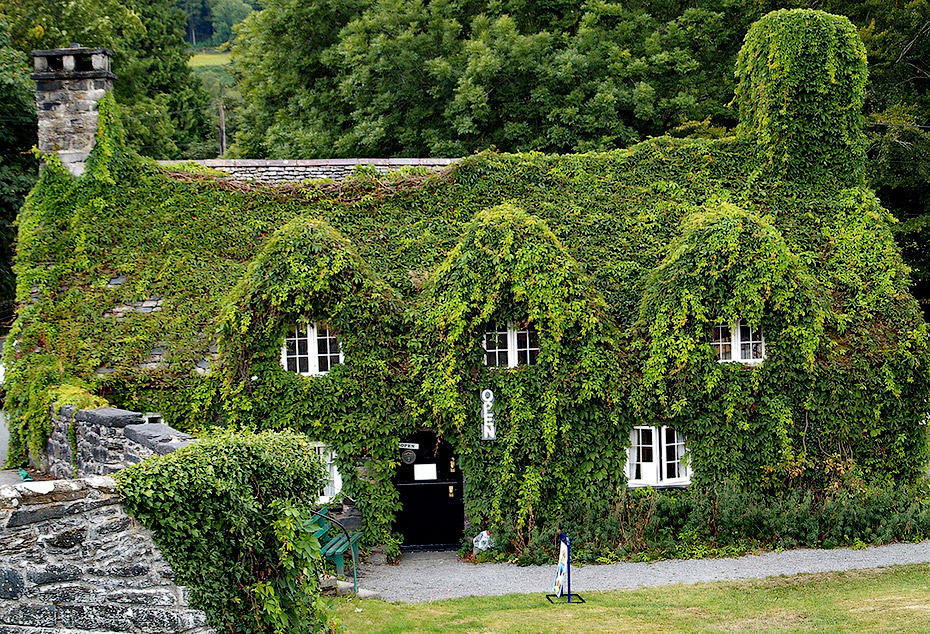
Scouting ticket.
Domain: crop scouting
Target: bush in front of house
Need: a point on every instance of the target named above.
(729, 520)
(230, 514)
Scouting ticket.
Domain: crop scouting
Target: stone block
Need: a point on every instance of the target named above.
(11, 584)
(95, 617)
(149, 596)
(54, 574)
(108, 417)
(157, 437)
(28, 614)
(65, 540)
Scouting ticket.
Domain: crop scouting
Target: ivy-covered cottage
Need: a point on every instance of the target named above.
(512, 341)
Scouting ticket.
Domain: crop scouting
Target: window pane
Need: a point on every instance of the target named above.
(303, 364)
(291, 364)
(527, 345)
(324, 364)
(721, 340)
(302, 346)
(751, 346)
(495, 345)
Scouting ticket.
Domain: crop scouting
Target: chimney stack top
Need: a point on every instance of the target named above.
(77, 62)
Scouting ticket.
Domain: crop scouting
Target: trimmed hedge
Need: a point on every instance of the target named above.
(229, 513)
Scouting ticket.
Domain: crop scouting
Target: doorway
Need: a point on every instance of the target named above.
(429, 480)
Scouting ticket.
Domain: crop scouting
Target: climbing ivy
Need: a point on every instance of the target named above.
(621, 260)
(801, 86)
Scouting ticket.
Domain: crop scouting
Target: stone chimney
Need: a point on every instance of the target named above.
(69, 83)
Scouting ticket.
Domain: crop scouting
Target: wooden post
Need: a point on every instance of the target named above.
(222, 129)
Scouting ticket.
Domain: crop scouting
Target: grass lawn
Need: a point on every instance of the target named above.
(890, 599)
(209, 59)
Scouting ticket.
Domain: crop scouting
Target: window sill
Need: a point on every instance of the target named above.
(667, 484)
(742, 362)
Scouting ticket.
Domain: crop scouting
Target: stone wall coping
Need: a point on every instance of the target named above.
(159, 437)
(107, 416)
(221, 163)
(14, 496)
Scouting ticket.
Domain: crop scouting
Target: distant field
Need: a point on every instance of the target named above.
(209, 59)
(884, 600)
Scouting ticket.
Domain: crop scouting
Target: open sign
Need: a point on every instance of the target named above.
(488, 429)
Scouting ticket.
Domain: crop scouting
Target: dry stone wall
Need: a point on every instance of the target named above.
(103, 441)
(72, 561)
(288, 171)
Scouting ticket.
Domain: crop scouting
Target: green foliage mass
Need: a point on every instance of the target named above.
(801, 86)
(622, 260)
(17, 136)
(389, 78)
(230, 514)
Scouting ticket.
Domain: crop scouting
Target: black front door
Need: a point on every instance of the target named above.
(432, 513)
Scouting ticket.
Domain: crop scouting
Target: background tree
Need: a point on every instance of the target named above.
(17, 165)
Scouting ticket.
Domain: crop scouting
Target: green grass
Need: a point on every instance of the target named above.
(209, 59)
(890, 599)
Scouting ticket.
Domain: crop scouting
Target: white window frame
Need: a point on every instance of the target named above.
(313, 368)
(736, 347)
(654, 474)
(327, 456)
(512, 351)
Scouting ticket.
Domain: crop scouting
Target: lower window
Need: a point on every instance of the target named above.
(332, 482)
(657, 457)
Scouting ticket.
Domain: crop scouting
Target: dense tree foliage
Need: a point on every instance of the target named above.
(17, 165)
(165, 108)
(211, 22)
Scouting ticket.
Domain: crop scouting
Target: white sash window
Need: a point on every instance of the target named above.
(311, 350)
(511, 345)
(657, 457)
(738, 342)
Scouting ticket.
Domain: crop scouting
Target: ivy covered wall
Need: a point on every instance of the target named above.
(622, 260)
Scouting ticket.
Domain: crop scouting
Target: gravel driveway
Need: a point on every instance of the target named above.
(442, 575)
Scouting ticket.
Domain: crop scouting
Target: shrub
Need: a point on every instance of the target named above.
(230, 513)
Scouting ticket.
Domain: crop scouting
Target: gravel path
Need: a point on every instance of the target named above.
(442, 575)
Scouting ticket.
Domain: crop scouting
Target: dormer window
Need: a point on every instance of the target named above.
(311, 350)
(511, 345)
(738, 342)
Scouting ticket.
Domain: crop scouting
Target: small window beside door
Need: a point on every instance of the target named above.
(657, 457)
(507, 346)
(738, 343)
(332, 481)
(311, 349)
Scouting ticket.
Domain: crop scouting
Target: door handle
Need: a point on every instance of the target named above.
(451, 491)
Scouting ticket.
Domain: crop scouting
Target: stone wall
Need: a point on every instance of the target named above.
(105, 440)
(284, 171)
(73, 561)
